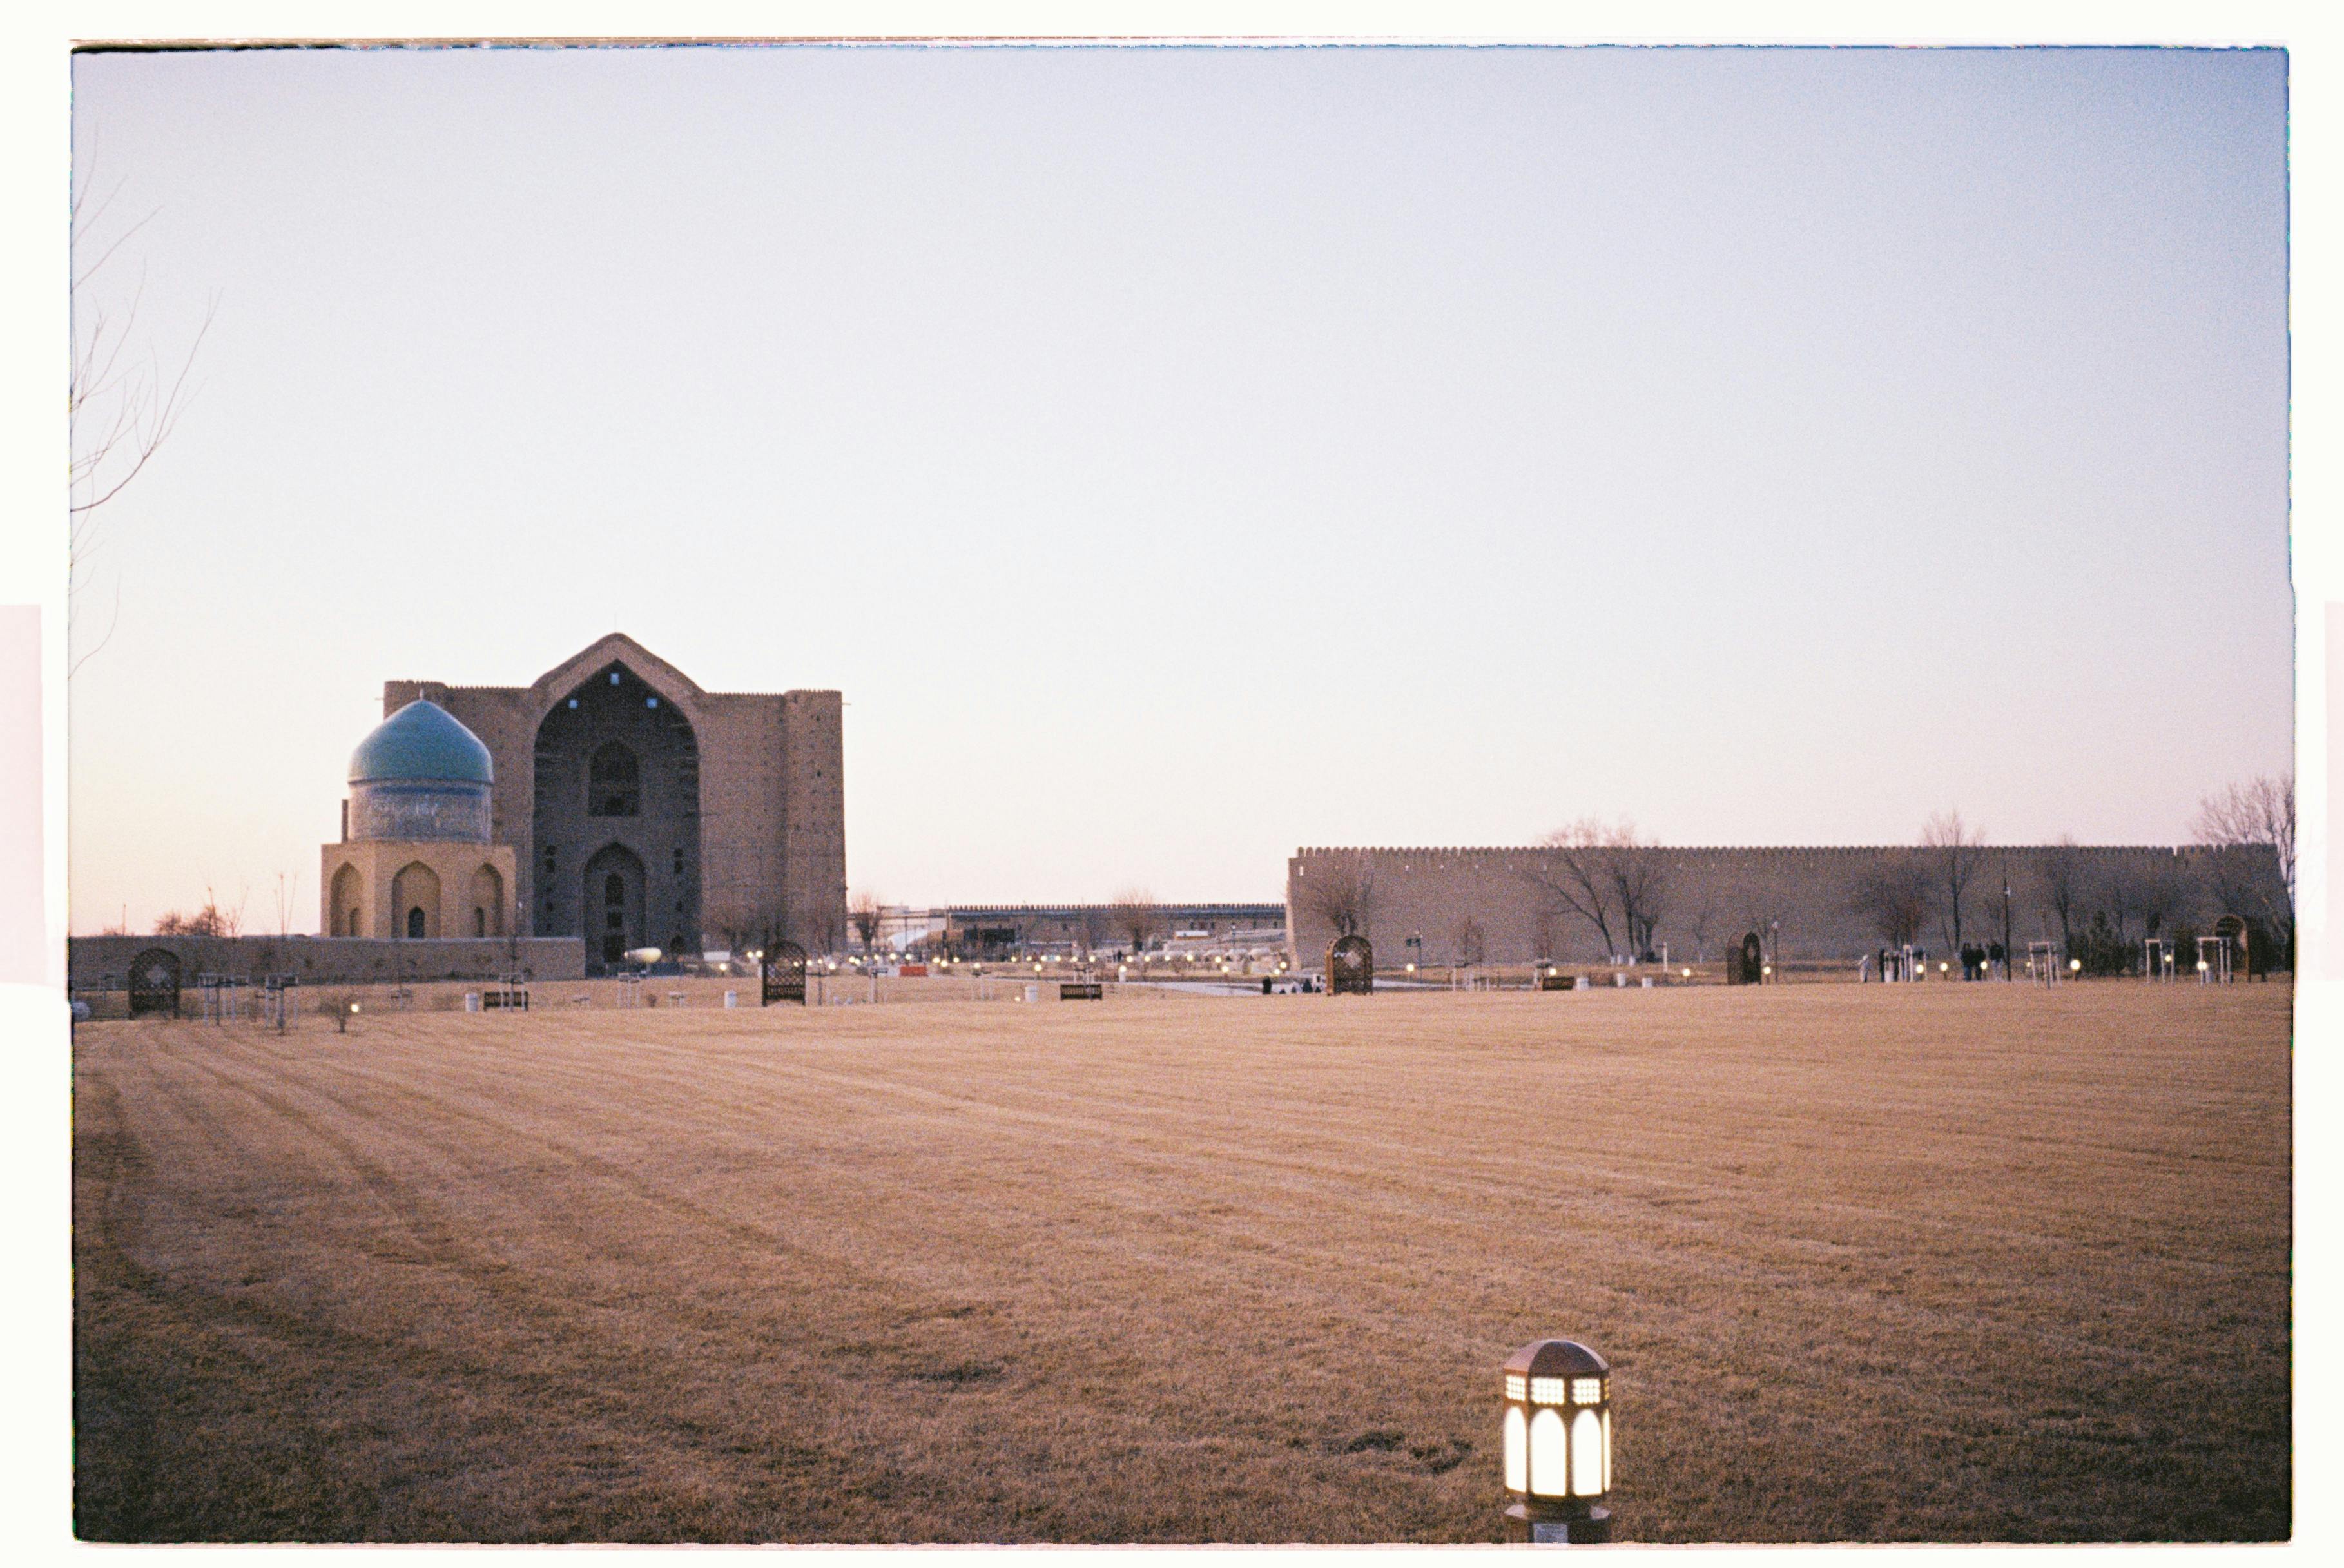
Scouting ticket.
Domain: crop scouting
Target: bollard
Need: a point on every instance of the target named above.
(1555, 1445)
(731, 998)
(471, 1001)
(1033, 992)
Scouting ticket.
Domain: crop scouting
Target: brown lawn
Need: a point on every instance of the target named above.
(1940, 1263)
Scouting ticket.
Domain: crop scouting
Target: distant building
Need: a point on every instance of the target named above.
(643, 812)
(1004, 930)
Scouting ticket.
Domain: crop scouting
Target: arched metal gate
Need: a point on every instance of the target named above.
(154, 982)
(1350, 966)
(783, 973)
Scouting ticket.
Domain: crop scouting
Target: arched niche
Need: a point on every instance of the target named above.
(415, 901)
(348, 904)
(486, 903)
(617, 763)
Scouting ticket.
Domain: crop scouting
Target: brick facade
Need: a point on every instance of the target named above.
(736, 831)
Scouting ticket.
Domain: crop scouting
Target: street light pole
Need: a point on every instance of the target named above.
(2006, 929)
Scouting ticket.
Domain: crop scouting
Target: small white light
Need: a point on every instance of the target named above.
(1766, 969)
(1686, 973)
(1586, 1390)
(1549, 1391)
(354, 1007)
(1550, 1455)
(2072, 964)
(1587, 1454)
(1514, 1385)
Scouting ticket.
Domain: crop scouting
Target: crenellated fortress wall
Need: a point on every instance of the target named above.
(1711, 897)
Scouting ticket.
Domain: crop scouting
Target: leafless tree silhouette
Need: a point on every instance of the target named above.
(123, 399)
(866, 912)
(1899, 893)
(1610, 877)
(1132, 914)
(2259, 811)
(1956, 853)
(1340, 889)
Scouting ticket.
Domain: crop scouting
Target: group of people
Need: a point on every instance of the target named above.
(1980, 961)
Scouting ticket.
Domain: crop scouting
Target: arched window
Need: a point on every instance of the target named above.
(415, 921)
(613, 783)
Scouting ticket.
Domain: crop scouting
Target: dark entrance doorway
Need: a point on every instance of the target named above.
(614, 902)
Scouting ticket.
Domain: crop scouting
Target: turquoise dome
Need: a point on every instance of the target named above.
(421, 741)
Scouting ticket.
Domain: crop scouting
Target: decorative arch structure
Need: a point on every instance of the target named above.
(616, 792)
(415, 902)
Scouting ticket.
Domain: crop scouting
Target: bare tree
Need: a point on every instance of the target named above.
(1131, 915)
(1898, 893)
(1468, 941)
(1956, 852)
(122, 400)
(1705, 917)
(286, 895)
(1615, 881)
(2063, 885)
(2155, 892)
(1576, 877)
(211, 920)
(1641, 877)
(2259, 811)
(866, 913)
(1340, 889)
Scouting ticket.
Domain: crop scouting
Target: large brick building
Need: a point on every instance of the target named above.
(1520, 904)
(643, 811)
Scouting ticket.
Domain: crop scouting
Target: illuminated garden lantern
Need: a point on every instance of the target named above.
(1557, 1444)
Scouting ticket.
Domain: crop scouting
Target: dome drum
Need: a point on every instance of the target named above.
(419, 810)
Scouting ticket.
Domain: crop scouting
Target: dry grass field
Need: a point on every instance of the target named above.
(1940, 1262)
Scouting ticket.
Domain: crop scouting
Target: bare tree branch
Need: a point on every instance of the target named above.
(1340, 889)
(120, 408)
(2259, 811)
(1955, 851)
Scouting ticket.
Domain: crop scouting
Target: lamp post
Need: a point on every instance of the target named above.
(1556, 1444)
(2005, 930)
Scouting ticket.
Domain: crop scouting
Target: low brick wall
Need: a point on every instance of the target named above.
(101, 963)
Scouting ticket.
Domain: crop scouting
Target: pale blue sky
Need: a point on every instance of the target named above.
(1178, 456)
